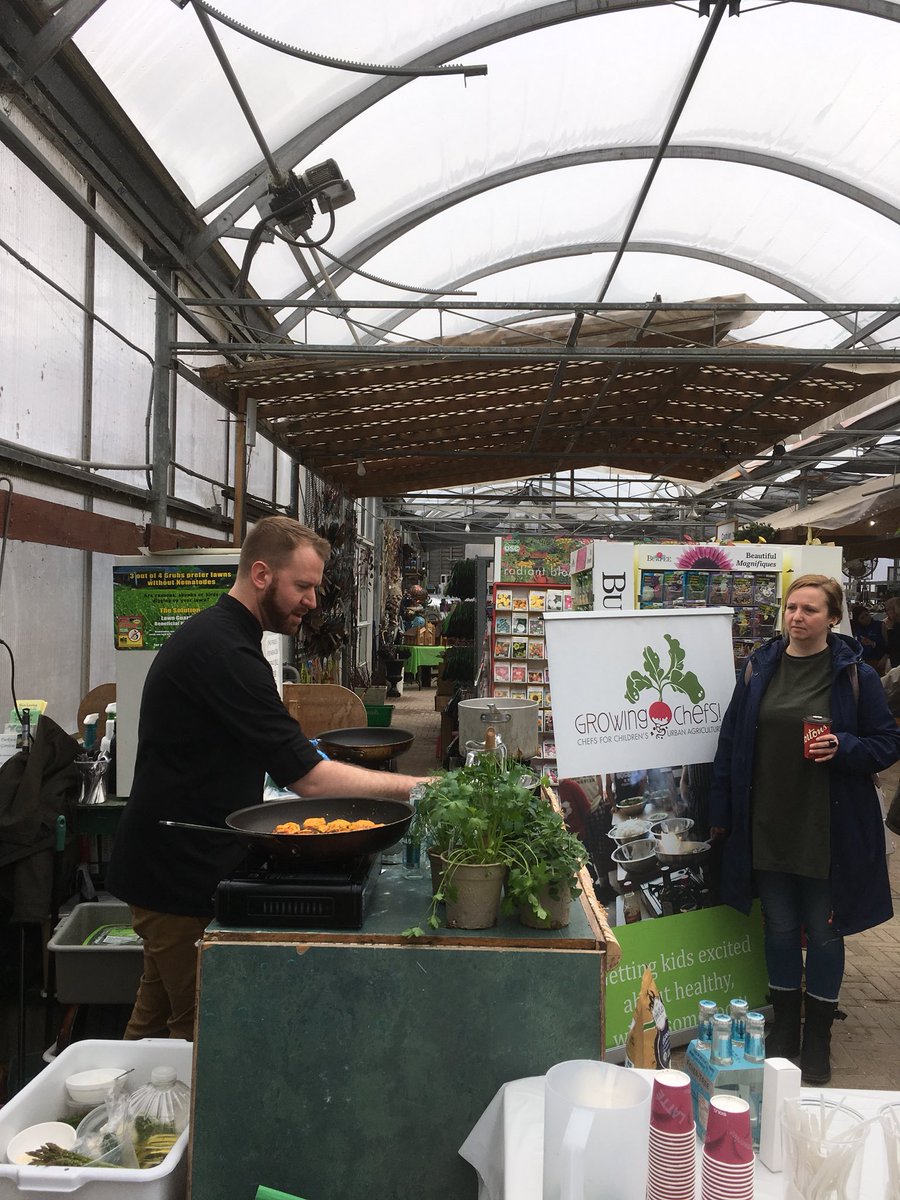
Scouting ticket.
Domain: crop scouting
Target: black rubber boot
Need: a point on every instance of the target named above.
(784, 1036)
(815, 1057)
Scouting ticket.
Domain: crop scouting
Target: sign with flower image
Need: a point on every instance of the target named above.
(636, 690)
(538, 560)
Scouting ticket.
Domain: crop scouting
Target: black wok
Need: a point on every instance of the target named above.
(367, 745)
(254, 827)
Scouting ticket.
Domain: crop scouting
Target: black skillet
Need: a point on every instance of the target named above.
(254, 827)
(367, 745)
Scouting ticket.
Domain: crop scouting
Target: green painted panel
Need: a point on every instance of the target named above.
(338, 1071)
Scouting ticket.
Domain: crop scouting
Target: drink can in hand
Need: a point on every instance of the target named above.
(814, 727)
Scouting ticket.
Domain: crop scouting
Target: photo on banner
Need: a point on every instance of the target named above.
(639, 699)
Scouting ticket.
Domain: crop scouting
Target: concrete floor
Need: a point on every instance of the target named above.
(865, 1047)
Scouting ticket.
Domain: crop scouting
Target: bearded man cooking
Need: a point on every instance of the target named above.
(211, 726)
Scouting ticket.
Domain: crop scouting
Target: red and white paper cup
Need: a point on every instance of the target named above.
(814, 727)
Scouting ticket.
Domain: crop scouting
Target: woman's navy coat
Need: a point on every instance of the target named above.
(869, 742)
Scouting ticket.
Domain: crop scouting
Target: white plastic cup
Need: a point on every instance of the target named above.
(823, 1149)
(596, 1132)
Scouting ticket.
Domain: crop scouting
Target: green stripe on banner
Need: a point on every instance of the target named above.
(712, 954)
(267, 1193)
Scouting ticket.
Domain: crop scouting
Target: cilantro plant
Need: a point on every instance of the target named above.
(484, 814)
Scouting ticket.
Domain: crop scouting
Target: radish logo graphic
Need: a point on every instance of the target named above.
(654, 678)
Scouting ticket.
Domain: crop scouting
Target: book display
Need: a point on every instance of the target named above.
(518, 668)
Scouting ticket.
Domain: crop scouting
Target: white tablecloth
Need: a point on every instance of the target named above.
(506, 1147)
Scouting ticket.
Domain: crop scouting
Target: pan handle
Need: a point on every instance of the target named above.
(204, 828)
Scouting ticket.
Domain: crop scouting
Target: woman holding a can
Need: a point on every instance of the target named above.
(795, 807)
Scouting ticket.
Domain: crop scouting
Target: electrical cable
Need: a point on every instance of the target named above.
(255, 238)
(12, 662)
(12, 678)
(401, 287)
(339, 64)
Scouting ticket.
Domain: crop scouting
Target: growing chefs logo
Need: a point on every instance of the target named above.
(655, 679)
(679, 709)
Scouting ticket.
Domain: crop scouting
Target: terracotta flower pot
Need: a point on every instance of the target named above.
(477, 889)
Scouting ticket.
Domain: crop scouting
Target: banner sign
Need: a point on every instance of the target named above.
(743, 557)
(536, 559)
(712, 954)
(638, 690)
(150, 603)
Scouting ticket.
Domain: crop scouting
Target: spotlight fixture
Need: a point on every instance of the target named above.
(779, 450)
(468, 529)
(360, 467)
(291, 204)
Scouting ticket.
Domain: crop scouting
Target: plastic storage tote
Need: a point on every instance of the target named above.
(379, 714)
(99, 974)
(46, 1095)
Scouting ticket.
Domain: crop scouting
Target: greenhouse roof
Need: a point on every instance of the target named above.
(499, 163)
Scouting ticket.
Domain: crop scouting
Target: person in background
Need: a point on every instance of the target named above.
(415, 619)
(890, 627)
(805, 834)
(868, 633)
(211, 725)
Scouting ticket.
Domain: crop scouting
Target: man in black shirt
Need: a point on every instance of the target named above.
(211, 725)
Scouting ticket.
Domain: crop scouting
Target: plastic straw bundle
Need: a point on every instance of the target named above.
(823, 1143)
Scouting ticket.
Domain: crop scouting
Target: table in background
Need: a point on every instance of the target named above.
(354, 1063)
(421, 660)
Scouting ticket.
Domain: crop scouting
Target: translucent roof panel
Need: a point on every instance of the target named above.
(784, 157)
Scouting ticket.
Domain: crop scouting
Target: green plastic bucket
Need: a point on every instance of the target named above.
(379, 714)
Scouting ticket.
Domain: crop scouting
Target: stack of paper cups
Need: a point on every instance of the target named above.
(728, 1151)
(672, 1145)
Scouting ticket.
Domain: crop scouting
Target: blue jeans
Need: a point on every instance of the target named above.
(791, 904)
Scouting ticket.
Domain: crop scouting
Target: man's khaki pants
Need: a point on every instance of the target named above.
(165, 1001)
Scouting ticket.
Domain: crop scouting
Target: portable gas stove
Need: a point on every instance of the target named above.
(308, 895)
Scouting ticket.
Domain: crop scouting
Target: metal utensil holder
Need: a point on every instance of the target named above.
(93, 779)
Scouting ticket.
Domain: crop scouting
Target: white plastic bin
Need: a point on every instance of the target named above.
(95, 974)
(44, 1098)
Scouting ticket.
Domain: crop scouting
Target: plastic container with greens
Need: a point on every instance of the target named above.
(159, 1111)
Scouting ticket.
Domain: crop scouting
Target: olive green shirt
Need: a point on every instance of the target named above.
(791, 817)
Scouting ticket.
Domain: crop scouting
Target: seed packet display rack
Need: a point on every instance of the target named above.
(518, 665)
(755, 597)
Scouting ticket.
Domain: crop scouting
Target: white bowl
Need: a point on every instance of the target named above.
(92, 1087)
(35, 1136)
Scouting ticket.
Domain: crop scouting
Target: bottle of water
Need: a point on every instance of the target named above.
(722, 1054)
(755, 1041)
(738, 1009)
(705, 1025)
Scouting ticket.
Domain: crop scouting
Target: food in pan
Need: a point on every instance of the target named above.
(321, 825)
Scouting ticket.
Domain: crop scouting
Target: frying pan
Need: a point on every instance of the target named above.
(367, 745)
(254, 827)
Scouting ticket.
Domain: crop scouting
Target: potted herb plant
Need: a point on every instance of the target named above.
(544, 880)
(486, 826)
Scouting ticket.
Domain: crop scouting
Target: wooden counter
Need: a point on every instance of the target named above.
(332, 1065)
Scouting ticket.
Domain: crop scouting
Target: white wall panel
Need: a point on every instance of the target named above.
(259, 477)
(40, 618)
(121, 296)
(200, 444)
(283, 481)
(122, 381)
